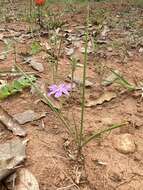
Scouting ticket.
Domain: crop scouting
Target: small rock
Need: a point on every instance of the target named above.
(110, 49)
(141, 50)
(2, 57)
(69, 51)
(107, 121)
(124, 143)
(105, 31)
(130, 54)
(137, 157)
(62, 176)
(101, 41)
(89, 50)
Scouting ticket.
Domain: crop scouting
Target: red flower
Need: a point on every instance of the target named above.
(40, 2)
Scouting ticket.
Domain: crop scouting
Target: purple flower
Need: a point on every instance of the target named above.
(59, 90)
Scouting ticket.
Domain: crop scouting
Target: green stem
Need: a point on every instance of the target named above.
(75, 128)
(101, 132)
(58, 55)
(123, 81)
(39, 16)
(83, 87)
(30, 9)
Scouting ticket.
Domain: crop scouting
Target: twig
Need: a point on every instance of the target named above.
(13, 73)
(67, 187)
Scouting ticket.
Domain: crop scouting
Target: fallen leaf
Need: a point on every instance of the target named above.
(11, 155)
(106, 97)
(27, 116)
(11, 123)
(78, 78)
(34, 64)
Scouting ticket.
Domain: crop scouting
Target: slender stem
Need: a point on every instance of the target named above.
(6, 51)
(53, 70)
(13, 73)
(15, 54)
(73, 68)
(95, 135)
(83, 87)
(40, 16)
(75, 128)
(30, 9)
(58, 55)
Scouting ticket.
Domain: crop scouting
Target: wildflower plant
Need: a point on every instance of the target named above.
(78, 132)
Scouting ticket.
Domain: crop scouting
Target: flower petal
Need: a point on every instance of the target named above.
(53, 87)
(58, 94)
(68, 87)
(65, 91)
(50, 93)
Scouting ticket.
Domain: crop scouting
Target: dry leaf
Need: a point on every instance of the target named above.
(78, 78)
(28, 116)
(11, 123)
(106, 97)
(34, 63)
(11, 154)
(110, 78)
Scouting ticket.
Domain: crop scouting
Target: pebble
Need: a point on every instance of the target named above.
(141, 50)
(124, 143)
(2, 57)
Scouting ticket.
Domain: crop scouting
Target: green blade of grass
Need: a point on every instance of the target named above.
(95, 135)
(123, 81)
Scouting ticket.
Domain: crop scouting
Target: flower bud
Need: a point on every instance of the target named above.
(40, 2)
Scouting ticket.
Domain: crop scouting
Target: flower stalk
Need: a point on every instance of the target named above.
(81, 132)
